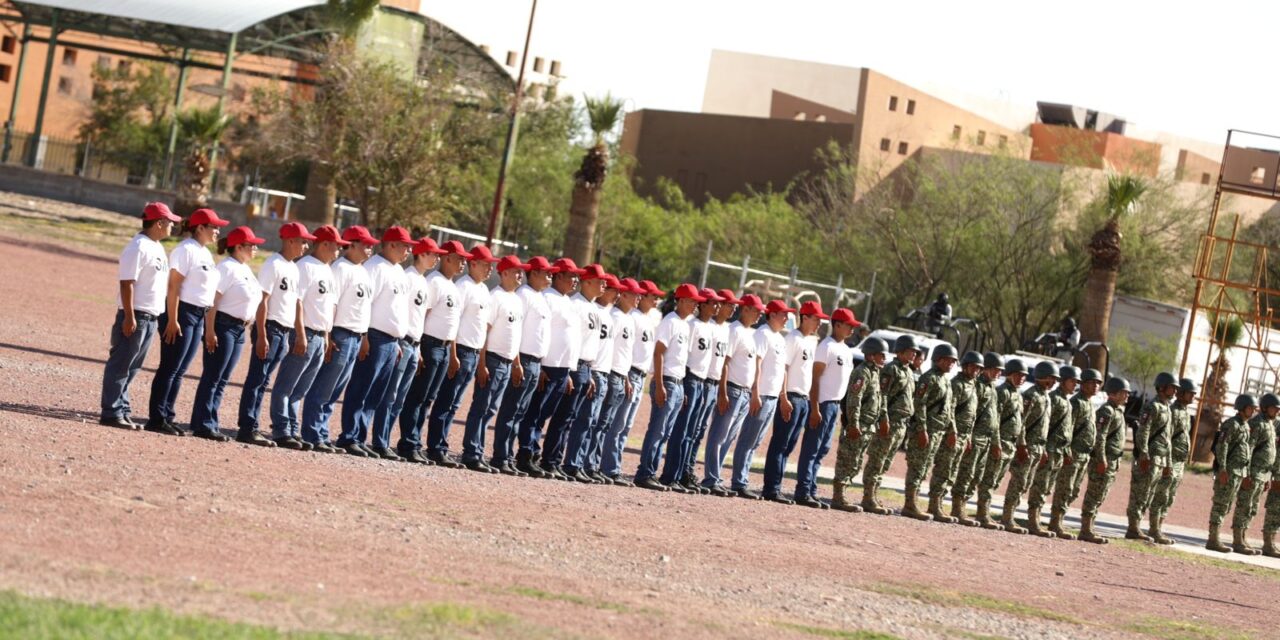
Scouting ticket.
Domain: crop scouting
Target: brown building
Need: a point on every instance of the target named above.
(1095, 149)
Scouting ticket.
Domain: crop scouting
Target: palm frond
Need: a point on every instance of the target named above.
(1122, 193)
(603, 114)
(203, 126)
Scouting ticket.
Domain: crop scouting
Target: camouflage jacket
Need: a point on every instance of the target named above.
(964, 399)
(1153, 436)
(1035, 416)
(1233, 453)
(1060, 425)
(1180, 432)
(1262, 443)
(987, 424)
(863, 404)
(1111, 433)
(935, 412)
(1084, 431)
(897, 384)
(1010, 404)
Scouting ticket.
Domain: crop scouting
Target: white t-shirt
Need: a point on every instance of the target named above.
(702, 345)
(800, 351)
(506, 323)
(771, 347)
(592, 326)
(417, 303)
(354, 296)
(720, 349)
(319, 294)
(473, 327)
(642, 350)
(837, 360)
(143, 262)
(604, 353)
(623, 326)
(566, 331)
(241, 292)
(444, 308)
(742, 355)
(200, 276)
(279, 280)
(536, 333)
(673, 332)
(389, 312)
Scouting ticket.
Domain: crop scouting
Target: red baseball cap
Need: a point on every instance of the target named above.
(328, 233)
(511, 262)
(651, 289)
(709, 295)
(592, 272)
(242, 235)
(538, 263)
(629, 285)
(397, 233)
(812, 308)
(295, 230)
(753, 301)
(688, 291)
(159, 211)
(359, 234)
(566, 265)
(611, 281)
(481, 253)
(455, 247)
(726, 295)
(427, 245)
(778, 306)
(206, 216)
(846, 316)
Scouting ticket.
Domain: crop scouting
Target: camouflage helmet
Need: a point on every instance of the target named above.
(944, 350)
(992, 360)
(1044, 370)
(905, 342)
(1068, 372)
(1091, 375)
(1115, 385)
(1244, 401)
(971, 357)
(1014, 365)
(1164, 378)
(1269, 400)
(1188, 385)
(874, 345)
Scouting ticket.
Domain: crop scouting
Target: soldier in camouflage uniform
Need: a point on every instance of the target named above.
(897, 388)
(931, 424)
(986, 431)
(964, 398)
(1009, 405)
(1179, 453)
(1152, 444)
(1271, 521)
(1104, 460)
(1232, 457)
(1056, 445)
(1075, 460)
(1262, 445)
(863, 410)
(1030, 450)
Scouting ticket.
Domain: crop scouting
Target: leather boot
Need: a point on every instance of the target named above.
(1134, 532)
(1033, 521)
(935, 510)
(1006, 519)
(1086, 531)
(984, 515)
(838, 501)
(958, 515)
(1214, 544)
(1240, 543)
(1055, 525)
(909, 508)
(1155, 533)
(869, 503)
(1269, 545)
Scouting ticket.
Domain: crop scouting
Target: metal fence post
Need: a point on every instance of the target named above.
(871, 292)
(742, 280)
(706, 266)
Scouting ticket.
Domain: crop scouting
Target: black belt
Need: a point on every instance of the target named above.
(193, 306)
(358, 334)
(674, 379)
(688, 376)
(463, 347)
(637, 372)
(737, 386)
(226, 317)
(526, 358)
(500, 358)
(279, 326)
(413, 343)
(143, 314)
(385, 334)
(615, 374)
(311, 333)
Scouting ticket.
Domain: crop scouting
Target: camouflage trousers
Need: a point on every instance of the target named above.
(946, 466)
(1142, 488)
(1247, 504)
(1224, 493)
(920, 458)
(1271, 522)
(1070, 477)
(1099, 487)
(880, 452)
(1046, 476)
(1166, 489)
(850, 454)
(993, 473)
(1020, 476)
(969, 472)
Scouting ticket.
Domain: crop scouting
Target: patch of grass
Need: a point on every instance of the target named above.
(539, 594)
(1195, 558)
(36, 618)
(1182, 630)
(824, 632)
(1198, 468)
(946, 598)
(443, 618)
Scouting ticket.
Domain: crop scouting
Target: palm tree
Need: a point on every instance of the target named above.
(202, 129)
(1227, 333)
(1105, 258)
(603, 115)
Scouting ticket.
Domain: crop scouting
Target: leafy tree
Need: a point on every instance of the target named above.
(1105, 259)
(130, 117)
(1142, 356)
(201, 130)
(603, 116)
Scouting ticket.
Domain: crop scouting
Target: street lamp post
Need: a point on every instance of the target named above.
(499, 195)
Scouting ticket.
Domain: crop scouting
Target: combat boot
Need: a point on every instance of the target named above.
(1086, 531)
(1134, 532)
(935, 510)
(1240, 543)
(1269, 545)
(869, 503)
(838, 501)
(1055, 525)
(1006, 519)
(1033, 521)
(909, 507)
(984, 515)
(958, 514)
(1214, 544)
(1155, 533)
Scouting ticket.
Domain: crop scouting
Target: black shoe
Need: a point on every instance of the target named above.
(721, 492)
(288, 443)
(676, 487)
(443, 460)
(620, 481)
(254, 438)
(164, 428)
(354, 449)
(692, 487)
(386, 453)
(651, 484)
(554, 472)
(480, 466)
(581, 476)
(599, 478)
(325, 447)
(118, 423)
(415, 456)
(747, 494)
(306, 446)
(176, 427)
(773, 497)
(508, 469)
(808, 501)
(528, 468)
(216, 436)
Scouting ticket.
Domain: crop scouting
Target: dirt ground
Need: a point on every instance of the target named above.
(309, 541)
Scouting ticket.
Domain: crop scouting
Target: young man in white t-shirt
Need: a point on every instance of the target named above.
(535, 338)
(832, 366)
(556, 385)
(720, 347)
(591, 322)
(278, 329)
(793, 408)
(497, 363)
(586, 426)
(702, 345)
(622, 326)
(641, 364)
(143, 275)
(735, 393)
(670, 365)
(771, 351)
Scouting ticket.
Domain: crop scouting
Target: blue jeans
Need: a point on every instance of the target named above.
(682, 437)
(710, 391)
(724, 429)
(450, 399)
(369, 381)
(329, 384)
(615, 441)
(753, 429)
(218, 365)
(578, 444)
(422, 393)
(279, 342)
(484, 405)
(397, 389)
(785, 435)
(174, 360)
(815, 446)
(566, 414)
(124, 362)
(661, 421)
(543, 405)
(515, 404)
(613, 402)
(296, 374)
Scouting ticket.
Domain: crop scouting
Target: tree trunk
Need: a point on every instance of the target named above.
(193, 186)
(1095, 316)
(579, 237)
(321, 194)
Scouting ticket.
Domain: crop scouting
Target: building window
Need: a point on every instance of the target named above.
(893, 103)
(64, 86)
(8, 44)
(982, 138)
(1205, 178)
(902, 148)
(911, 107)
(1004, 141)
(1258, 175)
(885, 144)
(123, 66)
(69, 57)
(955, 132)
(821, 117)
(104, 63)
(800, 115)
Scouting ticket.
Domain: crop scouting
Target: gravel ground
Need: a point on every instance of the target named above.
(308, 541)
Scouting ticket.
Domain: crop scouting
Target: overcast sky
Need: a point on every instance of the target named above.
(1190, 70)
